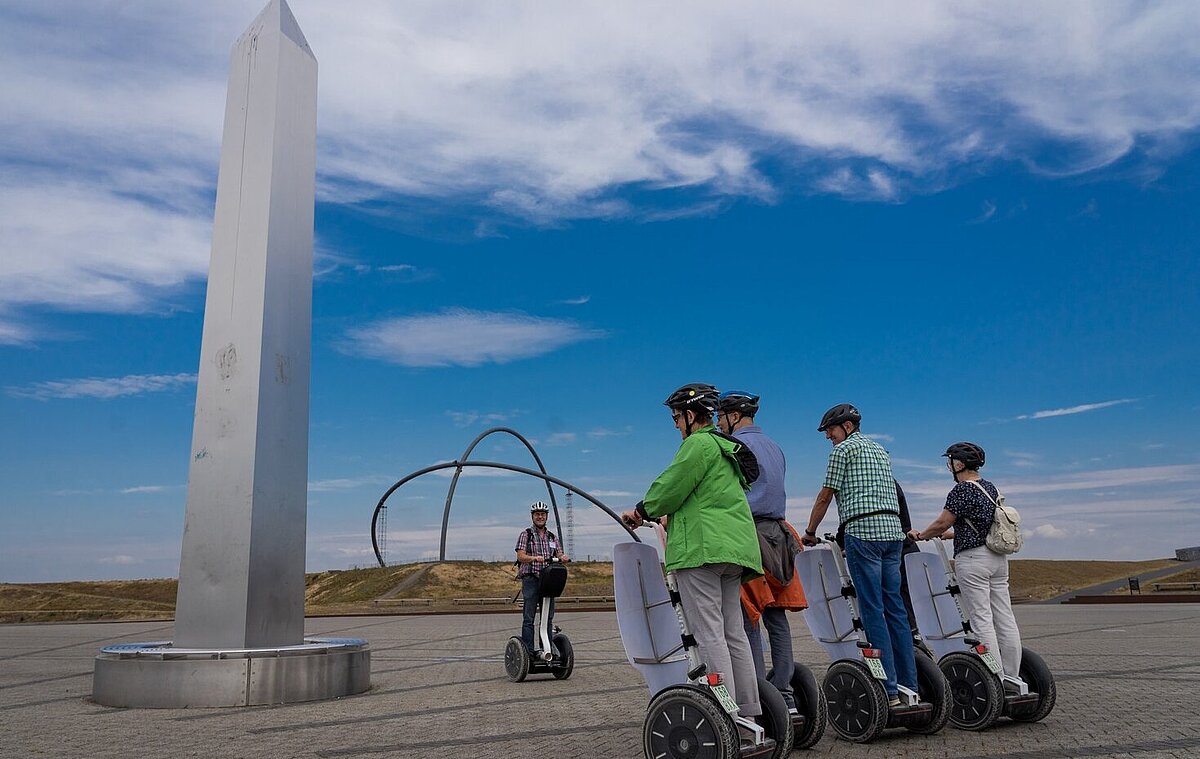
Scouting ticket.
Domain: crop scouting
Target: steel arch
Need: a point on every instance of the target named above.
(458, 472)
(549, 479)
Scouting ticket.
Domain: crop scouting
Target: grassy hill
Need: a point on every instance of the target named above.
(356, 590)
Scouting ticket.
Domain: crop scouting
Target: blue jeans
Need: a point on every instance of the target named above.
(875, 570)
(529, 592)
(779, 633)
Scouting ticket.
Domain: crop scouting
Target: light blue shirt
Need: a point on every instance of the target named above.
(767, 497)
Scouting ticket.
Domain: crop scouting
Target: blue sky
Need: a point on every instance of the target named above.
(973, 222)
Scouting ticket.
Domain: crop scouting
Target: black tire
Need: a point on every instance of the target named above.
(810, 702)
(776, 721)
(932, 687)
(1040, 679)
(516, 659)
(976, 695)
(566, 657)
(857, 702)
(684, 722)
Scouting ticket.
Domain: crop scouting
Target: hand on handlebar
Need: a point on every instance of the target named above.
(631, 519)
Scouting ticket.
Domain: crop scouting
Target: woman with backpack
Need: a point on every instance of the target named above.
(982, 572)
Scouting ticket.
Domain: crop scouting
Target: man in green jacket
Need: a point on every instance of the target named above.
(711, 542)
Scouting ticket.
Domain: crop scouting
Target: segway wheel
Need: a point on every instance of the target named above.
(776, 721)
(1040, 679)
(858, 710)
(932, 687)
(566, 657)
(516, 660)
(976, 696)
(810, 702)
(684, 722)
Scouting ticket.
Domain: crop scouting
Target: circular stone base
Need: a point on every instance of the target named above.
(158, 675)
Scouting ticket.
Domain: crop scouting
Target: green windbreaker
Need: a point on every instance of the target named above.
(704, 494)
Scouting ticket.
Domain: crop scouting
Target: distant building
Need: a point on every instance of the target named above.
(1188, 554)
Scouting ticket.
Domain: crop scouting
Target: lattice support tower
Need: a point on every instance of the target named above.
(570, 526)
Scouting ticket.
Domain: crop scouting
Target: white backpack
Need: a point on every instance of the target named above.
(1004, 536)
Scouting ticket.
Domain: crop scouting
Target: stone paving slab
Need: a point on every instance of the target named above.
(1128, 679)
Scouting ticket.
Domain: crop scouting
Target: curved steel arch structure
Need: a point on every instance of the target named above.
(460, 464)
(458, 472)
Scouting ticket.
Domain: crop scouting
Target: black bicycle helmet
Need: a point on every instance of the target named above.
(843, 412)
(695, 396)
(969, 454)
(738, 400)
(538, 506)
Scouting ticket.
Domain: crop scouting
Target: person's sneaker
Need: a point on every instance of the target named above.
(893, 702)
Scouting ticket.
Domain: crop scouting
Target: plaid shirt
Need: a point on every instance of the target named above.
(534, 544)
(860, 472)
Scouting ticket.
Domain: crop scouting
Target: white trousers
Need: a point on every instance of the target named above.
(983, 578)
(712, 601)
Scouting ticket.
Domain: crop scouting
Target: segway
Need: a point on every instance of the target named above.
(691, 713)
(553, 652)
(980, 691)
(853, 685)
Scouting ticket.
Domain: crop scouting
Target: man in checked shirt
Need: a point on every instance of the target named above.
(535, 546)
(859, 473)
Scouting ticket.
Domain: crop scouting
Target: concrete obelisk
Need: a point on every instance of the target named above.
(241, 572)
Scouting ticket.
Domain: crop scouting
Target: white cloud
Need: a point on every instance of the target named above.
(120, 559)
(79, 246)
(104, 388)
(546, 112)
(1081, 409)
(560, 438)
(612, 493)
(461, 337)
(602, 432)
(989, 210)
(476, 471)
(880, 436)
(144, 489)
(1022, 459)
(347, 483)
(1048, 531)
(468, 418)
(576, 301)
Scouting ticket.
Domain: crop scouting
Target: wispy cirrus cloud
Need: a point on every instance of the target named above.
(469, 418)
(143, 489)
(1075, 514)
(582, 299)
(1080, 409)
(1022, 458)
(120, 560)
(103, 388)
(347, 483)
(462, 337)
(603, 432)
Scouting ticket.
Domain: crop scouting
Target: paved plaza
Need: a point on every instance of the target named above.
(1128, 679)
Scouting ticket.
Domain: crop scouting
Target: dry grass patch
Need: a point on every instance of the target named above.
(66, 601)
(1038, 579)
